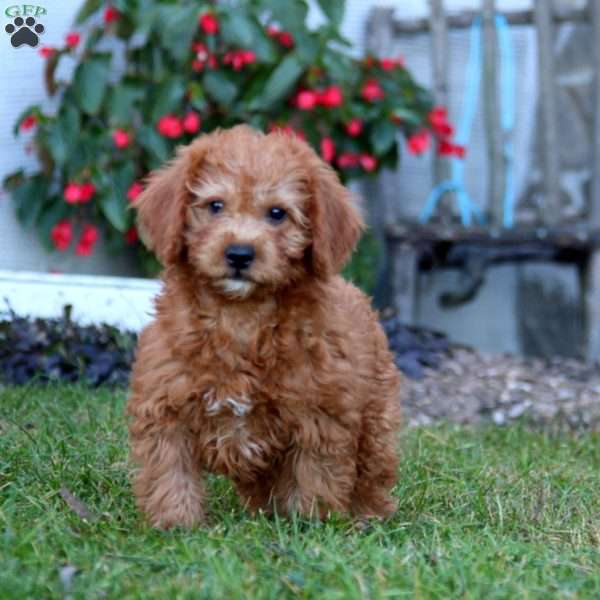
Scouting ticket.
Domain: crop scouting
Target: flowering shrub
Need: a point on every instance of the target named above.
(151, 75)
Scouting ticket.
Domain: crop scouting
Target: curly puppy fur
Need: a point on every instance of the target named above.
(276, 374)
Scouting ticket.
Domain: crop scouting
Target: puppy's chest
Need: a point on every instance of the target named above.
(230, 343)
(237, 435)
(247, 378)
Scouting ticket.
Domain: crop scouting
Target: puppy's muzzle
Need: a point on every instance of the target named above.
(239, 257)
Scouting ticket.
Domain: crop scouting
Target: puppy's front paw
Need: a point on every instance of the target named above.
(376, 508)
(174, 501)
(181, 516)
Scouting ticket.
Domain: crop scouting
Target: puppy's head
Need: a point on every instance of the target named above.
(249, 212)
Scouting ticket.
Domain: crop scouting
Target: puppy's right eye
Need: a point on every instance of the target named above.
(215, 206)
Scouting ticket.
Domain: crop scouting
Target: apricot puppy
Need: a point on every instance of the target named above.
(262, 363)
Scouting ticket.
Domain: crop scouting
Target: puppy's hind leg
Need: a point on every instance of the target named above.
(313, 483)
(167, 484)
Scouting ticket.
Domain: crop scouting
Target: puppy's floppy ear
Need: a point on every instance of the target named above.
(161, 207)
(336, 223)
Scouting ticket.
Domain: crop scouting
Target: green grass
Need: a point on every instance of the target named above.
(484, 513)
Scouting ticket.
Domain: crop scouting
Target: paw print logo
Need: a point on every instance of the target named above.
(24, 32)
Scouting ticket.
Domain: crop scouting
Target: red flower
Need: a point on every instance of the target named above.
(191, 122)
(368, 162)
(285, 38)
(200, 50)
(446, 148)
(372, 91)
(131, 235)
(209, 23)
(327, 149)
(202, 57)
(212, 62)
(389, 64)
(28, 122)
(72, 39)
(234, 59)
(72, 193)
(306, 99)
(79, 194)
(47, 51)
(331, 97)
(87, 240)
(87, 191)
(121, 138)
(62, 234)
(418, 142)
(348, 159)
(438, 118)
(135, 189)
(238, 59)
(354, 127)
(111, 14)
(170, 126)
(248, 56)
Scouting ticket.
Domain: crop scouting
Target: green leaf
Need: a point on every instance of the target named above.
(113, 198)
(281, 81)
(29, 198)
(341, 68)
(62, 135)
(89, 8)
(89, 150)
(220, 87)
(13, 180)
(254, 88)
(177, 25)
(197, 97)
(146, 18)
(408, 116)
(90, 83)
(157, 147)
(240, 30)
(121, 101)
(383, 136)
(333, 9)
(307, 47)
(168, 97)
(290, 15)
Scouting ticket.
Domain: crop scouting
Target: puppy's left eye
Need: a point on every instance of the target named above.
(216, 206)
(276, 214)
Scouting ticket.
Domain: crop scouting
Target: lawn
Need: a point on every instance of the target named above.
(484, 513)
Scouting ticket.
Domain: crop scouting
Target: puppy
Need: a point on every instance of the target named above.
(262, 363)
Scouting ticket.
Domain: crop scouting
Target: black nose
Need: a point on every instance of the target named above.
(239, 257)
